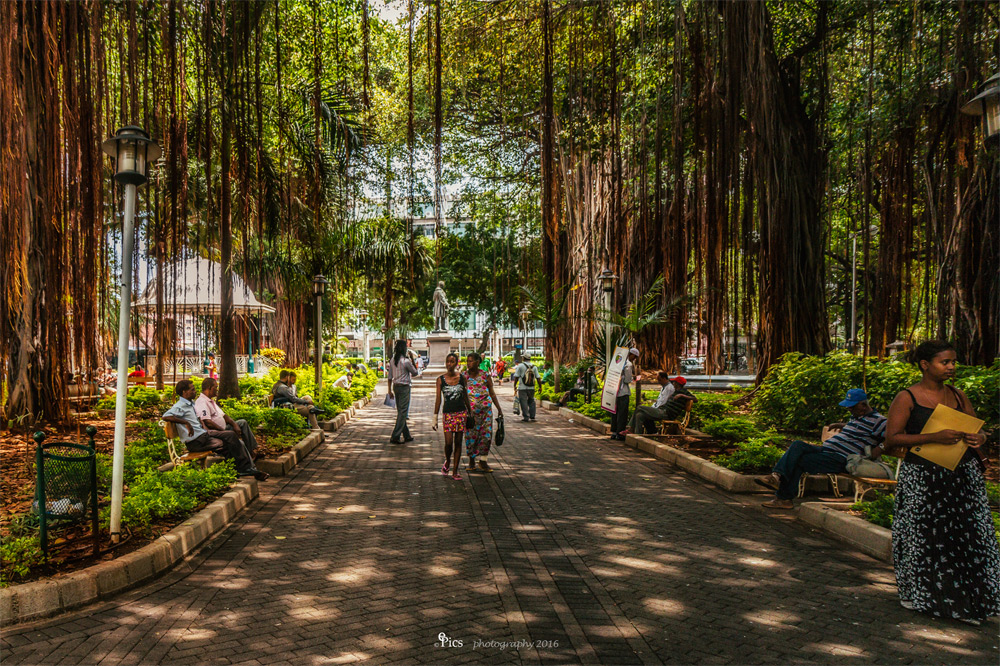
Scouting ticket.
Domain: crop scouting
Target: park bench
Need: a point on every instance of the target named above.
(139, 381)
(862, 485)
(677, 427)
(174, 442)
(83, 393)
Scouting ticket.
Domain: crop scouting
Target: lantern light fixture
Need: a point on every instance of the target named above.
(133, 151)
(319, 285)
(987, 105)
(607, 279)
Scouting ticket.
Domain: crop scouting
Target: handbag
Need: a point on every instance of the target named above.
(858, 465)
(470, 422)
(500, 432)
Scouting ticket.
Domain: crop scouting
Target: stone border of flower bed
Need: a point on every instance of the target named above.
(867, 537)
(288, 460)
(31, 601)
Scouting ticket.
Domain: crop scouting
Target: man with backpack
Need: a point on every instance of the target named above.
(525, 380)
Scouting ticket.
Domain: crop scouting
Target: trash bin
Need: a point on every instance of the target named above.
(66, 485)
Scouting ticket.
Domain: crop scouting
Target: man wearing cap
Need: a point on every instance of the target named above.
(669, 405)
(619, 420)
(862, 435)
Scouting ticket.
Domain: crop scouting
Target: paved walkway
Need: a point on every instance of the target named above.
(575, 550)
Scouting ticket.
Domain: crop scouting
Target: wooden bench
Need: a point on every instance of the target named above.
(139, 381)
(862, 485)
(174, 440)
(679, 427)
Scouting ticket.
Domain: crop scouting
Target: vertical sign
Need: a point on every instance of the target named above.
(613, 378)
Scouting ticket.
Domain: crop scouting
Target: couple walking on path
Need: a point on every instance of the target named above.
(464, 400)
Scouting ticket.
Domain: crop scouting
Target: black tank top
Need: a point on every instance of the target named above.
(918, 419)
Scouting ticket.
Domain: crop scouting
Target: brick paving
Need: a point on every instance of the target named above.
(575, 550)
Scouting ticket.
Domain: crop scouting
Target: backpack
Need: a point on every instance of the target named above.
(529, 376)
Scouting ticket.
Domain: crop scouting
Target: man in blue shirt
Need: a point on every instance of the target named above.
(196, 438)
(862, 435)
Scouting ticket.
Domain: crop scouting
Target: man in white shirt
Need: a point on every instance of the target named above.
(619, 420)
(525, 380)
(213, 418)
(196, 438)
(646, 415)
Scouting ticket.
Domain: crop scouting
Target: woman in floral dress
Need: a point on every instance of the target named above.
(944, 546)
(453, 402)
(478, 438)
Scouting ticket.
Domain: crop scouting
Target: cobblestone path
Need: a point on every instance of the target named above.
(574, 550)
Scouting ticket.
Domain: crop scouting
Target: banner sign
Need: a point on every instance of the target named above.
(613, 378)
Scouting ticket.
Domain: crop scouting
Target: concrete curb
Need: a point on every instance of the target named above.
(287, 461)
(32, 601)
(549, 406)
(832, 519)
(726, 479)
(597, 426)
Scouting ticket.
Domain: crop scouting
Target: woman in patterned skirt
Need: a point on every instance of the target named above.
(478, 438)
(451, 390)
(944, 546)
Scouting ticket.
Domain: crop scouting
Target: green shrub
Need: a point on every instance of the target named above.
(711, 406)
(800, 393)
(18, 555)
(731, 429)
(147, 452)
(755, 456)
(161, 495)
(593, 408)
(283, 421)
(878, 511)
(138, 398)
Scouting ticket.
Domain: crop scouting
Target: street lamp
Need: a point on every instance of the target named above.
(363, 316)
(525, 313)
(987, 105)
(607, 280)
(133, 150)
(319, 289)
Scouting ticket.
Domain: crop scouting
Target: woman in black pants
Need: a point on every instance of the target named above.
(400, 372)
(619, 420)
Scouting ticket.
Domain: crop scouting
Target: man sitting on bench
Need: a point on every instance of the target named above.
(196, 438)
(862, 435)
(669, 405)
(284, 395)
(213, 418)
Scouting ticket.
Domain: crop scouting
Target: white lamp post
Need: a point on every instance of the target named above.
(607, 279)
(319, 288)
(133, 150)
(524, 325)
(987, 105)
(363, 316)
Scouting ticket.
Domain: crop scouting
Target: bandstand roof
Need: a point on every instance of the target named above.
(193, 286)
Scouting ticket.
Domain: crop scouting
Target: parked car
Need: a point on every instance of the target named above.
(693, 365)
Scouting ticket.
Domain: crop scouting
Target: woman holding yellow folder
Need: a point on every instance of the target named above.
(944, 546)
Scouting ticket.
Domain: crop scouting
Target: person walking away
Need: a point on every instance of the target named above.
(283, 394)
(619, 420)
(500, 366)
(213, 418)
(944, 544)
(478, 438)
(452, 399)
(401, 372)
(862, 435)
(525, 379)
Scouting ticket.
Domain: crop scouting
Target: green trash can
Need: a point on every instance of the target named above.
(65, 485)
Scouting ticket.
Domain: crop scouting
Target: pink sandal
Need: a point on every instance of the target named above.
(444, 468)
(456, 476)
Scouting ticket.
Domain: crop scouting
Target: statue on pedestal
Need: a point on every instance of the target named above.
(440, 309)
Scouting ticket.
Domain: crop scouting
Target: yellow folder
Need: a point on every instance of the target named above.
(946, 418)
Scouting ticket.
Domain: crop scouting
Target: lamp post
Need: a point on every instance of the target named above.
(364, 332)
(854, 287)
(525, 313)
(987, 105)
(607, 279)
(133, 150)
(319, 289)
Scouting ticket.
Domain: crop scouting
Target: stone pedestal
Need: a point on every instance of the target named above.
(438, 347)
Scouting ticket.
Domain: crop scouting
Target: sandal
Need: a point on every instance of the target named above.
(456, 476)
(484, 466)
(444, 468)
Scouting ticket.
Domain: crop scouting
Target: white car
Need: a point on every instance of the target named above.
(693, 365)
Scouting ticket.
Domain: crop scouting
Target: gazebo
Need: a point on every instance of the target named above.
(192, 288)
